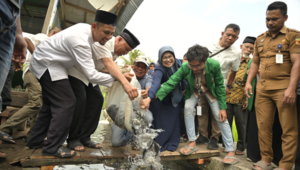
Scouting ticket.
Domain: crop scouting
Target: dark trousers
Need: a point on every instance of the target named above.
(89, 102)
(6, 94)
(241, 118)
(297, 161)
(253, 151)
(56, 114)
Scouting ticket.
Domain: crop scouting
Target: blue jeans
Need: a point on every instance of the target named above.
(215, 108)
(121, 137)
(8, 27)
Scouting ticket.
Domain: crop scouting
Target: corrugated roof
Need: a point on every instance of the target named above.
(105, 5)
(126, 13)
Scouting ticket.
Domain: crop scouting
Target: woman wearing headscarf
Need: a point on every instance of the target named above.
(151, 69)
(166, 113)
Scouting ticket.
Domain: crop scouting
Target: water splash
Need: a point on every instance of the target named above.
(143, 139)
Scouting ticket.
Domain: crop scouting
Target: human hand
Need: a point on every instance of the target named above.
(144, 93)
(128, 76)
(228, 91)
(222, 115)
(19, 53)
(247, 90)
(131, 91)
(245, 106)
(145, 103)
(289, 97)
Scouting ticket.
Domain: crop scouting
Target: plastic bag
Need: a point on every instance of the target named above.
(119, 106)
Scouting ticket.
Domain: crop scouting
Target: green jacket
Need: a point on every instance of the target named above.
(213, 76)
(251, 99)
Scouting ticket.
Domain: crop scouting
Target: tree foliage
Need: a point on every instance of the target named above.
(132, 56)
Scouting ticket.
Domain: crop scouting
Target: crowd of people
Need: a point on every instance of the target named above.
(196, 97)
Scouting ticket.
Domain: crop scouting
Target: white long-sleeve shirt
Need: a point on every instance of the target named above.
(98, 52)
(68, 48)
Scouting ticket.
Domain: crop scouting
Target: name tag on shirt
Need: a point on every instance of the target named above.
(279, 58)
(199, 110)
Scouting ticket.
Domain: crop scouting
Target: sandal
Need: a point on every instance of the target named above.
(238, 152)
(7, 139)
(91, 144)
(263, 165)
(236, 160)
(2, 154)
(73, 144)
(192, 150)
(59, 152)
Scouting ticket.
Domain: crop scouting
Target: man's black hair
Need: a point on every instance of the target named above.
(198, 53)
(184, 55)
(278, 5)
(235, 27)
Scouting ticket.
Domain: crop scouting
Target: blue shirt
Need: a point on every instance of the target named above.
(146, 81)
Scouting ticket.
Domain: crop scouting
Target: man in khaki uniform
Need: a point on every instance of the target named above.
(278, 52)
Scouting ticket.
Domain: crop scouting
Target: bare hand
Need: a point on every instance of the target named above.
(245, 106)
(247, 90)
(128, 76)
(289, 97)
(145, 103)
(144, 93)
(228, 91)
(222, 115)
(19, 53)
(131, 91)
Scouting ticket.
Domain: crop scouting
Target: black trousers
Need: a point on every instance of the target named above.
(241, 118)
(253, 151)
(89, 102)
(297, 161)
(6, 94)
(56, 114)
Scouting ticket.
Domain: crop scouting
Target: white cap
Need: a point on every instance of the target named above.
(142, 59)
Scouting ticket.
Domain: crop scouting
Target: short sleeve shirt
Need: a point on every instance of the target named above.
(103, 51)
(228, 59)
(275, 76)
(146, 81)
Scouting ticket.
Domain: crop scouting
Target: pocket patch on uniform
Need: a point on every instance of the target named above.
(260, 45)
(297, 41)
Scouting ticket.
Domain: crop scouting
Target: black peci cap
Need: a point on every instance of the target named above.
(249, 40)
(106, 17)
(130, 38)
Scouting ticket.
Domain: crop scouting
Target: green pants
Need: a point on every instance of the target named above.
(30, 110)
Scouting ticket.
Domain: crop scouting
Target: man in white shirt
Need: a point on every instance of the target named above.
(32, 108)
(89, 99)
(229, 58)
(49, 64)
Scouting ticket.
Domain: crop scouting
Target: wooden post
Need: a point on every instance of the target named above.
(48, 16)
(62, 4)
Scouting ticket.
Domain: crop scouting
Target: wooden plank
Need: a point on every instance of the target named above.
(91, 153)
(127, 150)
(121, 4)
(34, 5)
(80, 8)
(111, 152)
(19, 98)
(47, 167)
(48, 16)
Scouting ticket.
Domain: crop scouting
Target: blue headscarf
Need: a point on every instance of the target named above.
(177, 92)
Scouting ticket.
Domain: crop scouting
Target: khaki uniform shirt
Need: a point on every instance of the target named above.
(275, 76)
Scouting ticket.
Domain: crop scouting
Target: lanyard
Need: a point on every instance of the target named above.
(199, 86)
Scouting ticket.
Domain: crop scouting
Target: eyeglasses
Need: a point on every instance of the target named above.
(167, 57)
(196, 67)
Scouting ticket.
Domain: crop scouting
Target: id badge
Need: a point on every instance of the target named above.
(279, 58)
(199, 110)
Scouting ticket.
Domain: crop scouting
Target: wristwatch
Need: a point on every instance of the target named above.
(229, 86)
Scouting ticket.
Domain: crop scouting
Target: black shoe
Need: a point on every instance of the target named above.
(202, 140)
(213, 144)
